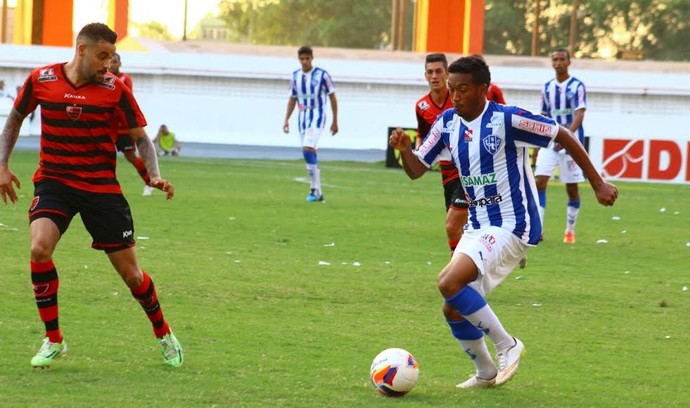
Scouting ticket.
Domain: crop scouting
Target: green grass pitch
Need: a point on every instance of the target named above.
(283, 303)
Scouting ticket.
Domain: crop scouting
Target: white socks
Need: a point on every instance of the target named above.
(486, 320)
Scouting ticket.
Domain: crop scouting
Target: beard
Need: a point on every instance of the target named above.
(97, 76)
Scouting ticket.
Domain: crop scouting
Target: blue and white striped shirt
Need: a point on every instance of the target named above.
(311, 90)
(560, 100)
(491, 154)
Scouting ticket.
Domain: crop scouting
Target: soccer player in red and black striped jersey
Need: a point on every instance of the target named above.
(124, 142)
(427, 109)
(81, 107)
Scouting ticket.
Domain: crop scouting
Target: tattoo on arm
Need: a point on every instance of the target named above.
(9, 136)
(147, 151)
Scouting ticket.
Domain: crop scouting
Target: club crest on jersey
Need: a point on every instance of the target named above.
(46, 75)
(423, 105)
(34, 203)
(467, 136)
(492, 144)
(74, 112)
(108, 82)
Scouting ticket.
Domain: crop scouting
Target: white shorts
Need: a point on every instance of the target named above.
(310, 137)
(568, 170)
(495, 251)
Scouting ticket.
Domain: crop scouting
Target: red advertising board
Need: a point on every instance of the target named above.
(646, 160)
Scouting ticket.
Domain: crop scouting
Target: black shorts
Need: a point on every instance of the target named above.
(107, 217)
(455, 195)
(124, 142)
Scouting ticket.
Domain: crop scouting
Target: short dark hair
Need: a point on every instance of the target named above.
(305, 49)
(437, 57)
(97, 32)
(472, 65)
(567, 53)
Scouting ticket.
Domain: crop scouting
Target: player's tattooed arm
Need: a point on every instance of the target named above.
(147, 151)
(148, 154)
(9, 136)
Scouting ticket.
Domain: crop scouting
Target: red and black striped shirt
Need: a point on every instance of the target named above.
(78, 127)
(427, 111)
(124, 129)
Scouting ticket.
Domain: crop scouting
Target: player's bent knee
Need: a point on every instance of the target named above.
(451, 313)
(41, 252)
(448, 284)
(459, 273)
(133, 279)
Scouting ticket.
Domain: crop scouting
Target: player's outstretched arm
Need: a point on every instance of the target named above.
(334, 109)
(401, 141)
(147, 152)
(8, 139)
(290, 107)
(606, 193)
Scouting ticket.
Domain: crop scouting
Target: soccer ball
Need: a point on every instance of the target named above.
(394, 372)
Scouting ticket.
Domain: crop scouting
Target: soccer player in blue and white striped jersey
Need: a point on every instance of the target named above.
(564, 98)
(488, 143)
(310, 89)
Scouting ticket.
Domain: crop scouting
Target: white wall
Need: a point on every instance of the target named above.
(241, 99)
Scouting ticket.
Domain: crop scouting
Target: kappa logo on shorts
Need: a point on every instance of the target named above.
(74, 112)
(34, 203)
(489, 241)
(126, 234)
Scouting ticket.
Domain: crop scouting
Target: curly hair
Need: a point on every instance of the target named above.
(95, 32)
(473, 65)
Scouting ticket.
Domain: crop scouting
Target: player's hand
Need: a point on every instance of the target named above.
(164, 186)
(606, 193)
(334, 128)
(399, 140)
(6, 188)
(286, 127)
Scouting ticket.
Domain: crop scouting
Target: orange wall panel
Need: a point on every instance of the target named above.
(476, 31)
(57, 22)
(118, 17)
(453, 26)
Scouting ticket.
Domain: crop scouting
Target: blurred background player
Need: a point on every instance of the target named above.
(3, 91)
(124, 142)
(76, 175)
(495, 94)
(427, 110)
(489, 142)
(564, 99)
(309, 87)
(167, 142)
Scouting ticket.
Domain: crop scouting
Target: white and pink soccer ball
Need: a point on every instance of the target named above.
(394, 372)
